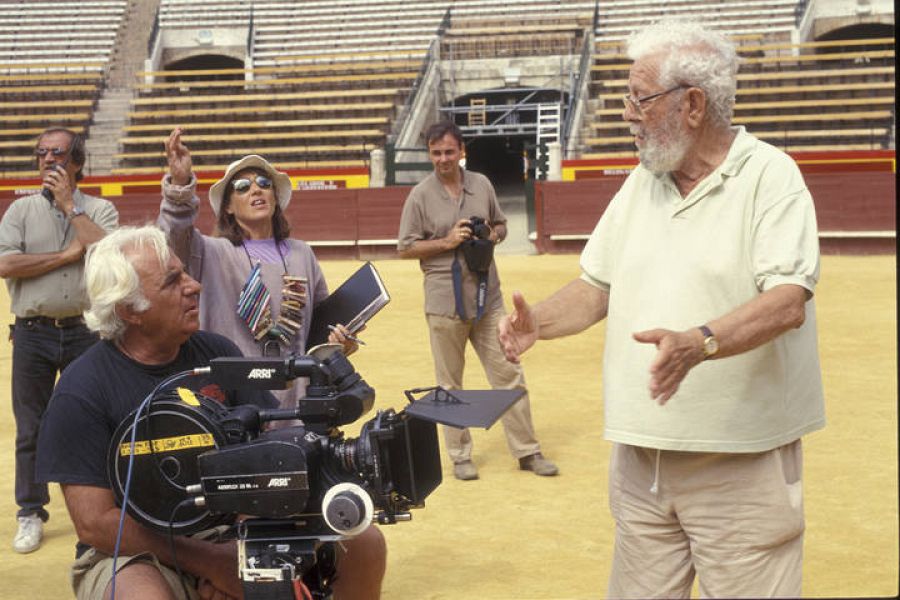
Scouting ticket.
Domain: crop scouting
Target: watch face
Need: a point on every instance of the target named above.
(710, 346)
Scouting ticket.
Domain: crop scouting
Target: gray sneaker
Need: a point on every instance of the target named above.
(538, 464)
(465, 470)
(28, 537)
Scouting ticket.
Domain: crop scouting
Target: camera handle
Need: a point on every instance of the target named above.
(274, 564)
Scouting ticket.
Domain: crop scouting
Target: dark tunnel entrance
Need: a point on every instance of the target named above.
(501, 159)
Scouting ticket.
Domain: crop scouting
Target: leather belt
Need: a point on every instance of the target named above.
(63, 323)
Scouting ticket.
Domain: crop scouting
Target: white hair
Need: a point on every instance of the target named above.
(111, 279)
(695, 55)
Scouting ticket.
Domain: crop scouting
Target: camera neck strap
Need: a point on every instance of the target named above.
(480, 293)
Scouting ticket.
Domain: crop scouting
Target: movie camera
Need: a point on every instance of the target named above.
(196, 464)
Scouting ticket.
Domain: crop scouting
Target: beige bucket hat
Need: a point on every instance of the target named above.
(281, 181)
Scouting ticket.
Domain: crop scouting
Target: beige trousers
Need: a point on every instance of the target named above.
(735, 521)
(448, 348)
(91, 572)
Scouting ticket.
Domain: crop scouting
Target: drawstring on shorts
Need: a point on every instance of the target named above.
(654, 489)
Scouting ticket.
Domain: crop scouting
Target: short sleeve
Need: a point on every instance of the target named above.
(12, 238)
(598, 256)
(73, 442)
(785, 244)
(106, 216)
(411, 225)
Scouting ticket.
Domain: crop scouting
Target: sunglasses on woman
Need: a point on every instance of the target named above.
(242, 186)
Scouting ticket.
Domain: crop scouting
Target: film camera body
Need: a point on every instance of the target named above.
(479, 228)
(187, 463)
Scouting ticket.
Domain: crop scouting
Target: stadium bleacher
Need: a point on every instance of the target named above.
(800, 97)
(51, 73)
(324, 82)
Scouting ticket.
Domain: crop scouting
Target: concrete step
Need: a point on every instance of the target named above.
(109, 119)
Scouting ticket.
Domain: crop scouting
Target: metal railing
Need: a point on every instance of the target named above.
(250, 34)
(403, 115)
(392, 166)
(578, 82)
(445, 22)
(800, 11)
(154, 32)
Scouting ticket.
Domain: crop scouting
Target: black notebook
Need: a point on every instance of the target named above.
(352, 304)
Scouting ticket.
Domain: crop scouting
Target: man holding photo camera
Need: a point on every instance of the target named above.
(451, 222)
(43, 238)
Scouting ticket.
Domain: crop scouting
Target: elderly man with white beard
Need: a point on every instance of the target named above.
(704, 267)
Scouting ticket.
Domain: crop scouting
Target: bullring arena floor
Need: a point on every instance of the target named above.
(512, 535)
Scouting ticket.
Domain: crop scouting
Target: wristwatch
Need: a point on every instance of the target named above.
(710, 343)
(75, 212)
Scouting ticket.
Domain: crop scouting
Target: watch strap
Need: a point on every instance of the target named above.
(710, 343)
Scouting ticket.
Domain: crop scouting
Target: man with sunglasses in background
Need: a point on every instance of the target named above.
(703, 267)
(43, 239)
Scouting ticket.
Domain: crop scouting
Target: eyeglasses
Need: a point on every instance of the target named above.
(637, 104)
(54, 151)
(242, 186)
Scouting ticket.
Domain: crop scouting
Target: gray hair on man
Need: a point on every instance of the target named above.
(695, 55)
(111, 279)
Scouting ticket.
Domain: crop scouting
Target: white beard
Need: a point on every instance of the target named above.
(664, 149)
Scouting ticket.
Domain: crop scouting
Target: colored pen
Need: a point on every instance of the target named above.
(348, 336)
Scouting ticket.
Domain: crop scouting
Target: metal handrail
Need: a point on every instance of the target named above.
(250, 34)
(576, 82)
(799, 11)
(154, 32)
(430, 57)
(445, 22)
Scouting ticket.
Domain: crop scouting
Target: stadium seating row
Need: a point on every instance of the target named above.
(844, 87)
(54, 59)
(327, 79)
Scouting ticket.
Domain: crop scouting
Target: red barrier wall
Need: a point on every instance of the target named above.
(343, 223)
(855, 196)
(856, 210)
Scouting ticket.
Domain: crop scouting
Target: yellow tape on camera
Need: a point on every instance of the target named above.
(188, 397)
(169, 444)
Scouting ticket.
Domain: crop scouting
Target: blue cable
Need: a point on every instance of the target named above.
(137, 414)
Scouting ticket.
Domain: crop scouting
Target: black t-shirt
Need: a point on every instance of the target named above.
(101, 388)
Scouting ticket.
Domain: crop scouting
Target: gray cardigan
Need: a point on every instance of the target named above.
(223, 268)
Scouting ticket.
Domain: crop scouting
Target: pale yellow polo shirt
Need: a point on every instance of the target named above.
(677, 263)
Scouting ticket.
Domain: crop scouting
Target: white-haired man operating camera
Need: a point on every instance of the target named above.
(145, 307)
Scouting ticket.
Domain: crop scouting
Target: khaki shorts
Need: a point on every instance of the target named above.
(93, 570)
(735, 521)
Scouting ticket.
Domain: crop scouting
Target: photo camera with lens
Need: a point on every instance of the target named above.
(479, 228)
(189, 463)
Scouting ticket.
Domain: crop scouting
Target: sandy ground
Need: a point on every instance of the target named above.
(512, 535)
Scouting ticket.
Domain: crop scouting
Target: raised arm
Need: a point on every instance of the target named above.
(179, 158)
(86, 230)
(179, 206)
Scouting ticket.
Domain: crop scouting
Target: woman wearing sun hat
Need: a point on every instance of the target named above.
(259, 285)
